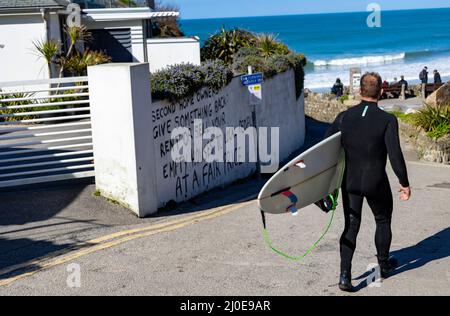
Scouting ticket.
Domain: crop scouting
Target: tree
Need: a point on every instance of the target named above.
(47, 50)
(167, 26)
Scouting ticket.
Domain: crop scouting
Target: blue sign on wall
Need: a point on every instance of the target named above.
(250, 80)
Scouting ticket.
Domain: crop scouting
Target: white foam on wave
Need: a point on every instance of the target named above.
(325, 78)
(365, 60)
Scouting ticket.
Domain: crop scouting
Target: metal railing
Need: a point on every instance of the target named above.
(45, 131)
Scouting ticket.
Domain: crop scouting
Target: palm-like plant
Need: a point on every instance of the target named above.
(269, 45)
(431, 117)
(78, 63)
(47, 50)
(75, 34)
(225, 44)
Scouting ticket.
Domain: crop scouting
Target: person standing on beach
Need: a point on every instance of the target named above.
(437, 77)
(369, 135)
(423, 76)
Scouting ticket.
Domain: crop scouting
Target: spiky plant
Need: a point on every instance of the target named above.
(226, 43)
(75, 34)
(78, 63)
(433, 118)
(47, 50)
(269, 45)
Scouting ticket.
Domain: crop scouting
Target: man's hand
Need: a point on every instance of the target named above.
(405, 193)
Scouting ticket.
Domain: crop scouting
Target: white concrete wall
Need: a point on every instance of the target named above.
(132, 134)
(169, 51)
(123, 150)
(182, 181)
(18, 58)
(280, 108)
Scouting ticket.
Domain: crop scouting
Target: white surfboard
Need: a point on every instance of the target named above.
(310, 177)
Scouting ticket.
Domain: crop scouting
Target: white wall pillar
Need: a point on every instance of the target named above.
(121, 112)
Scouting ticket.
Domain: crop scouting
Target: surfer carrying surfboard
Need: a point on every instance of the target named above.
(369, 135)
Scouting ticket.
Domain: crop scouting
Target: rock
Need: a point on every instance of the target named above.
(440, 97)
(411, 111)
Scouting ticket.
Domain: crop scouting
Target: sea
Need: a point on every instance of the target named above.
(405, 42)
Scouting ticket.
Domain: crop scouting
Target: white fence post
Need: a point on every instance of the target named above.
(121, 131)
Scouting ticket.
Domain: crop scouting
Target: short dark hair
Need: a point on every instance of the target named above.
(371, 85)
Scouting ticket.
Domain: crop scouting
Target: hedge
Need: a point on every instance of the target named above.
(182, 80)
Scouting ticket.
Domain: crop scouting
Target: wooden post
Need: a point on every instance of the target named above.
(403, 93)
(424, 90)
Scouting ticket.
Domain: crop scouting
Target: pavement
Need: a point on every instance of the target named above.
(213, 245)
(395, 104)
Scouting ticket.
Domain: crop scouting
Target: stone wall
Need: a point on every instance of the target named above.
(323, 107)
(428, 149)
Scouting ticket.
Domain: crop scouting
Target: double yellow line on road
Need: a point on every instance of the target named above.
(77, 251)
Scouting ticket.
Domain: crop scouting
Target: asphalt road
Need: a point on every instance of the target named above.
(225, 254)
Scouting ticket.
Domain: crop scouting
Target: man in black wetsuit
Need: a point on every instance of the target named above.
(369, 135)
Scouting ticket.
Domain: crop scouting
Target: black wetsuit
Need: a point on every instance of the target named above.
(368, 135)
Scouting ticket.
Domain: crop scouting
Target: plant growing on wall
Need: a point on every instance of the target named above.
(179, 81)
(268, 46)
(225, 44)
(434, 120)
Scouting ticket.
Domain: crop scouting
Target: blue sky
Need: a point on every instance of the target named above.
(192, 9)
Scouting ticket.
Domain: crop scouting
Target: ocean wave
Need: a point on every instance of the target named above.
(364, 60)
(324, 78)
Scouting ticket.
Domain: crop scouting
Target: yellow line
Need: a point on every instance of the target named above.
(112, 240)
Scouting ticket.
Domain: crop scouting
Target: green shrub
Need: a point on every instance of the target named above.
(259, 64)
(268, 45)
(179, 81)
(434, 120)
(298, 62)
(439, 131)
(246, 51)
(15, 103)
(272, 66)
(216, 73)
(225, 44)
(281, 63)
(344, 98)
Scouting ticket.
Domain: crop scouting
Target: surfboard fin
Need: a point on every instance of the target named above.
(328, 203)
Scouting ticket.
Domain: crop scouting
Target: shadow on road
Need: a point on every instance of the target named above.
(428, 250)
(39, 221)
(431, 249)
(22, 238)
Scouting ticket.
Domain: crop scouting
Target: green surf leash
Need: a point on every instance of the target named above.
(300, 258)
(334, 200)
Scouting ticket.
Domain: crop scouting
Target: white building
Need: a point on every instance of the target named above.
(120, 32)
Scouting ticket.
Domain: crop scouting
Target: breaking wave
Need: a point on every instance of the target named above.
(365, 60)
